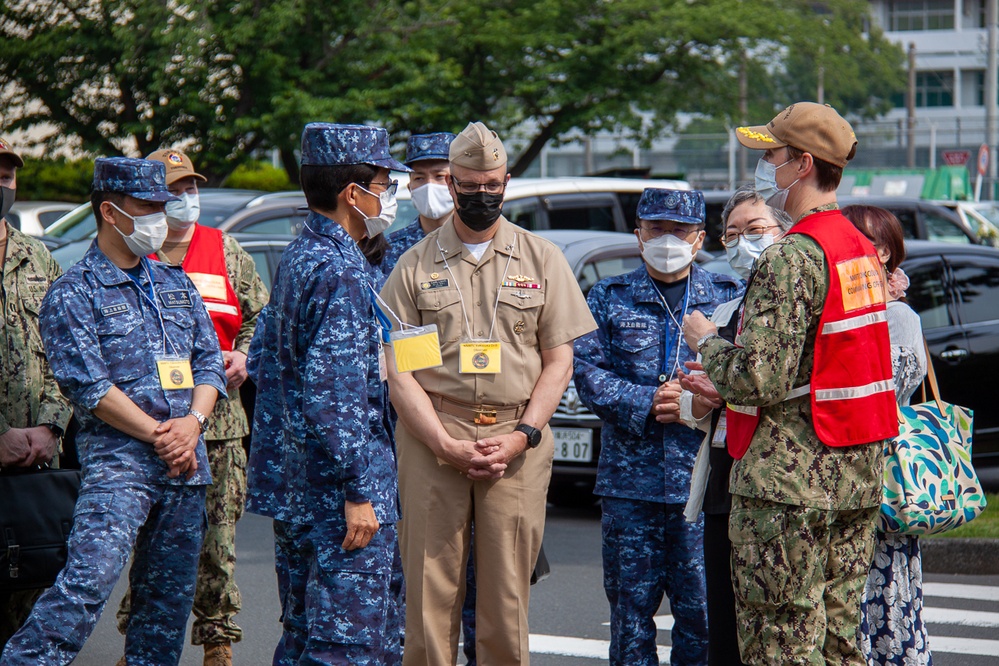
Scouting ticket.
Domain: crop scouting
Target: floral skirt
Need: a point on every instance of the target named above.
(891, 628)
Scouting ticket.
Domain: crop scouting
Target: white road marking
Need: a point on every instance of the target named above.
(952, 645)
(952, 590)
(960, 617)
(587, 648)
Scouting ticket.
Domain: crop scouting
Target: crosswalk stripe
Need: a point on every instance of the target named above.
(955, 591)
(960, 617)
(976, 646)
(588, 648)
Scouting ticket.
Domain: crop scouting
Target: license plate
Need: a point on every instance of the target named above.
(573, 444)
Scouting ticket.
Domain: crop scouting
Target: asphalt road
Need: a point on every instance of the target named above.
(569, 610)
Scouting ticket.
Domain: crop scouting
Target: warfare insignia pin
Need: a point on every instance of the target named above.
(520, 327)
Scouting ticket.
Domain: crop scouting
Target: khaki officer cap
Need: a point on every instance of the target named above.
(178, 165)
(5, 149)
(478, 148)
(813, 128)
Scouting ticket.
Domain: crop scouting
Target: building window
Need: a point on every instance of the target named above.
(932, 89)
(920, 15)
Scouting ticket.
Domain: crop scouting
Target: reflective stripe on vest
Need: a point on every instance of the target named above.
(853, 399)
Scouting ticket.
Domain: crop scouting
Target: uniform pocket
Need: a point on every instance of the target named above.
(117, 336)
(348, 595)
(517, 315)
(760, 565)
(441, 307)
(93, 503)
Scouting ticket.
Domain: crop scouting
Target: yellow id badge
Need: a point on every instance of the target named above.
(416, 348)
(479, 358)
(175, 373)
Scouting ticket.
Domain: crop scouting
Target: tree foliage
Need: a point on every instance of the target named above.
(223, 79)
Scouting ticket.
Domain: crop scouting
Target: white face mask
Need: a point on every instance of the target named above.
(667, 254)
(184, 213)
(742, 256)
(385, 218)
(148, 233)
(766, 184)
(433, 201)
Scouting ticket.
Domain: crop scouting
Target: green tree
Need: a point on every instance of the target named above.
(225, 78)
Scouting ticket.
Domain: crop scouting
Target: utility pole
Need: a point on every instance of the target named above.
(743, 165)
(991, 74)
(910, 105)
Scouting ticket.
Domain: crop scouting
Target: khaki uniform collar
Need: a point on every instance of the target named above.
(503, 243)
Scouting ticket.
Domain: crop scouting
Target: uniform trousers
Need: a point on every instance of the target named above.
(799, 575)
(164, 525)
(337, 606)
(439, 504)
(649, 550)
(216, 597)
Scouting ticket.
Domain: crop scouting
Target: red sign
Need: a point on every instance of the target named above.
(956, 157)
(983, 159)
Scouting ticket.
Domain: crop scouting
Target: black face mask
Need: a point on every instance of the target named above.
(6, 201)
(479, 211)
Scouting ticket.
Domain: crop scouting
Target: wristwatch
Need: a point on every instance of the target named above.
(202, 420)
(703, 340)
(533, 435)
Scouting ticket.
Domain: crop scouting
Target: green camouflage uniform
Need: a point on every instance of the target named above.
(217, 599)
(30, 395)
(802, 521)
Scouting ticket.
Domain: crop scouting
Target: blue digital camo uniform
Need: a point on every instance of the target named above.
(400, 241)
(644, 469)
(321, 436)
(101, 331)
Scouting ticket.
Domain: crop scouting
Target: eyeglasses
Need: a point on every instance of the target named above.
(391, 186)
(468, 187)
(681, 231)
(751, 234)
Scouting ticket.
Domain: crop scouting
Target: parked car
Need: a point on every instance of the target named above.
(922, 220)
(31, 217)
(981, 217)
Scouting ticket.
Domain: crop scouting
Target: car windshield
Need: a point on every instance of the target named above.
(216, 206)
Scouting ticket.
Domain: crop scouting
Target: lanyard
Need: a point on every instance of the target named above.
(499, 288)
(383, 320)
(152, 301)
(663, 376)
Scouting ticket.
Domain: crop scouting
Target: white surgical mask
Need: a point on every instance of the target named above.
(385, 218)
(184, 213)
(667, 254)
(742, 256)
(148, 233)
(433, 201)
(766, 184)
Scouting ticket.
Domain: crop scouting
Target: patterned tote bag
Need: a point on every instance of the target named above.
(930, 485)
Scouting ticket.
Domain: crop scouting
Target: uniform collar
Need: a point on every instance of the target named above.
(701, 287)
(504, 242)
(16, 250)
(321, 225)
(107, 272)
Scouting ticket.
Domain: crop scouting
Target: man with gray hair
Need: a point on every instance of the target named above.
(473, 436)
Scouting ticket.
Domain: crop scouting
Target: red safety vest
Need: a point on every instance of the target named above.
(204, 264)
(853, 393)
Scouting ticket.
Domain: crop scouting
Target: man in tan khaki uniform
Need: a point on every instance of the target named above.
(473, 440)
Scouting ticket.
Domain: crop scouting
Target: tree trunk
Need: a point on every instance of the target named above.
(290, 163)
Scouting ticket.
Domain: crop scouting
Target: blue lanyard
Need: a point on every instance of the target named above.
(383, 320)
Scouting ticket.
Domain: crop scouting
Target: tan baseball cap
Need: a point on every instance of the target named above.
(6, 149)
(178, 165)
(477, 148)
(814, 128)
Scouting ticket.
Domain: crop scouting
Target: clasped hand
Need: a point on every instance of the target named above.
(176, 442)
(485, 459)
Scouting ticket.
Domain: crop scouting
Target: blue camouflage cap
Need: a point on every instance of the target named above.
(327, 144)
(142, 179)
(685, 206)
(434, 146)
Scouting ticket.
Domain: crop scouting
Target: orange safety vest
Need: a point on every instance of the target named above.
(204, 264)
(852, 389)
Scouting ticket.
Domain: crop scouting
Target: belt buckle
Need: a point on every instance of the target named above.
(485, 416)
